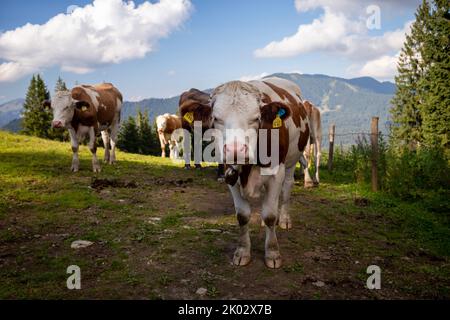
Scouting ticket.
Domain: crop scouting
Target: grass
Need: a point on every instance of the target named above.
(163, 241)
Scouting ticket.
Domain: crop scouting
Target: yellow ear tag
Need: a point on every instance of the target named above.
(84, 108)
(277, 122)
(189, 117)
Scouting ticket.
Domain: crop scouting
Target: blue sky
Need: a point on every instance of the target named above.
(202, 43)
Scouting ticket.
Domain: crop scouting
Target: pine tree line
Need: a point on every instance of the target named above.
(137, 135)
(421, 112)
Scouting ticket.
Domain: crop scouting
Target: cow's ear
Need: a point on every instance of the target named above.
(274, 109)
(81, 104)
(47, 104)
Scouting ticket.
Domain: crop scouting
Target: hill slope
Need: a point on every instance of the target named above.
(10, 111)
(162, 232)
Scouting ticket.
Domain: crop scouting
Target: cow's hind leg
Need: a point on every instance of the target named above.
(317, 154)
(114, 134)
(242, 254)
(307, 157)
(106, 143)
(285, 221)
(93, 148)
(74, 142)
(270, 216)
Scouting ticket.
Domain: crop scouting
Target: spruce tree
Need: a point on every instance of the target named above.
(435, 107)
(145, 132)
(36, 118)
(128, 139)
(60, 85)
(406, 110)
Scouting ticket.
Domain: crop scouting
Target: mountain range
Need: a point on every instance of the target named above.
(348, 103)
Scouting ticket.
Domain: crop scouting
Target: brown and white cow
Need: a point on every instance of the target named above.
(87, 110)
(166, 125)
(315, 142)
(253, 106)
(194, 105)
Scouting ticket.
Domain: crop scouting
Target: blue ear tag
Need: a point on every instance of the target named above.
(281, 112)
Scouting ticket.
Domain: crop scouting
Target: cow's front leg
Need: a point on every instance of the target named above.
(93, 148)
(285, 221)
(114, 133)
(106, 143)
(74, 142)
(270, 216)
(172, 149)
(242, 254)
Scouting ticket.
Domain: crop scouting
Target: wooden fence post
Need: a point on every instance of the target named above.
(374, 142)
(331, 147)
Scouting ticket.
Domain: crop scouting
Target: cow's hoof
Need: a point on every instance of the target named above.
(96, 169)
(187, 167)
(112, 162)
(285, 223)
(198, 166)
(309, 184)
(241, 257)
(74, 169)
(273, 261)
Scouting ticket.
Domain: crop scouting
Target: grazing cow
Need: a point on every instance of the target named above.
(315, 141)
(270, 104)
(88, 110)
(195, 105)
(167, 124)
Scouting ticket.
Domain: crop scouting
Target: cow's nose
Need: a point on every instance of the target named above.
(235, 152)
(56, 124)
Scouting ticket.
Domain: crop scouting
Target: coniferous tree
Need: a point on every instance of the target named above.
(128, 139)
(60, 85)
(407, 101)
(435, 107)
(36, 118)
(420, 107)
(145, 132)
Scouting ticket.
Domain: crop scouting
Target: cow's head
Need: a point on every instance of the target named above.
(192, 110)
(63, 107)
(236, 113)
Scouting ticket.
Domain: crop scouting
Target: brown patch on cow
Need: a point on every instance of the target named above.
(172, 123)
(197, 102)
(86, 115)
(201, 112)
(266, 98)
(303, 139)
(297, 112)
(268, 114)
(107, 96)
(244, 174)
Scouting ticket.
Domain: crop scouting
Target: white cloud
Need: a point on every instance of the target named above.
(325, 33)
(104, 32)
(384, 67)
(341, 30)
(253, 77)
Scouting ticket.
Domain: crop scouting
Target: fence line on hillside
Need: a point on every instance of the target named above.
(374, 136)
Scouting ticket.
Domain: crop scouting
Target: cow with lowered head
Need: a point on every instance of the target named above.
(167, 124)
(195, 105)
(87, 110)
